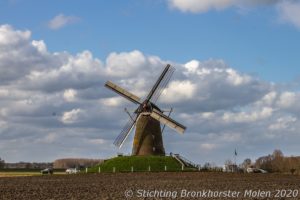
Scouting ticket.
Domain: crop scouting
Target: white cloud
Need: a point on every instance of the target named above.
(237, 79)
(192, 66)
(72, 116)
(4, 93)
(96, 141)
(127, 64)
(208, 115)
(40, 45)
(283, 123)
(289, 12)
(247, 117)
(2, 123)
(269, 98)
(10, 37)
(52, 97)
(179, 91)
(16, 50)
(47, 139)
(79, 71)
(113, 101)
(214, 67)
(199, 6)
(287, 99)
(216, 84)
(62, 20)
(70, 95)
(229, 137)
(208, 146)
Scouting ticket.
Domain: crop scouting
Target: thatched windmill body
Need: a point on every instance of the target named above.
(147, 118)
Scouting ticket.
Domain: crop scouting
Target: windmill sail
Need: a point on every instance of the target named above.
(147, 118)
(162, 85)
(168, 69)
(167, 121)
(131, 97)
(126, 130)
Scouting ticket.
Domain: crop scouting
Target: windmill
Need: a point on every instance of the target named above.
(147, 118)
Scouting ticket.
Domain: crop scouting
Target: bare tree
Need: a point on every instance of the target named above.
(264, 162)
(278, 161)
(2, 163)
(228, 162)
(206, 166)
(75, 162)
(246, 164)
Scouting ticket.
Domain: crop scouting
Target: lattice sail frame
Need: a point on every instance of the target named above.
(151, 99)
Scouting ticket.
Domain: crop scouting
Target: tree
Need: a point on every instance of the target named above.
(2, 163)
(277, 153)
(247, 163)
(278, 161)
(264, 162)
(206, 166)
(228, 162)
(292, 164)
(75, 162)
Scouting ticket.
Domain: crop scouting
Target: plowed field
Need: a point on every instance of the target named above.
(171, 185)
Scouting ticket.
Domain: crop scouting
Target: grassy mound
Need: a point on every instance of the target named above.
(139, 164)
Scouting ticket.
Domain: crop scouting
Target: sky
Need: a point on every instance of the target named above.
(236, 84)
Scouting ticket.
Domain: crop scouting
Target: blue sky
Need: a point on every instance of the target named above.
(236, 83)
(253, 40)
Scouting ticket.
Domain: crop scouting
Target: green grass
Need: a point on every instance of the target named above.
(139, 164)
(15, 174)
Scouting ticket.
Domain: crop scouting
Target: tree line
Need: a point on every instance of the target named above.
(75, 163)
(2, 163)
(58, 164)
(275, 162)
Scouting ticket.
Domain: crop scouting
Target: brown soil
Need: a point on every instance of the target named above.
(114, 186)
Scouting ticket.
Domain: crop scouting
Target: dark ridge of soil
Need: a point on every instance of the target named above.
(118, 185)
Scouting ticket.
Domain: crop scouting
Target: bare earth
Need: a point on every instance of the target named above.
(171, 185)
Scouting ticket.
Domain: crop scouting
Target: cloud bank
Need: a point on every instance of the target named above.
(200, 6)
(288, 10)
(53, 104)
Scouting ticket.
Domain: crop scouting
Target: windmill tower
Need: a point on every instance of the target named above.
(147, 118)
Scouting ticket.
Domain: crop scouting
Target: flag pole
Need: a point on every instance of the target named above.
(235, 155)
